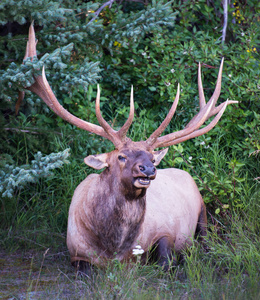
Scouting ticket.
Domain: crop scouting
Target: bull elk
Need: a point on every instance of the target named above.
(131, 203)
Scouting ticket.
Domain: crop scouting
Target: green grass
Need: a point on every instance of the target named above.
(35, 262)
(227, 269)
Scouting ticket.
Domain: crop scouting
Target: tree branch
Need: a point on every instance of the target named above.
(110, 2)
(224, 31)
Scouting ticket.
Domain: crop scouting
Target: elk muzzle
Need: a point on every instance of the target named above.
(144, 173)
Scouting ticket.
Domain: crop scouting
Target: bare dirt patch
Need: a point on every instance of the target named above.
(41, 275)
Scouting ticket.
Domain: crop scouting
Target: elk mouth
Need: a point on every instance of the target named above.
(142, 182)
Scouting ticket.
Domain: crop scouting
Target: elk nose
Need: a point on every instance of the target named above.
(147, 171)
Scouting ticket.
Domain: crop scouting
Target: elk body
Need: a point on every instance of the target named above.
(131, 203)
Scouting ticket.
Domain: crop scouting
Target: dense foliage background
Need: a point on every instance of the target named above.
(152, 45)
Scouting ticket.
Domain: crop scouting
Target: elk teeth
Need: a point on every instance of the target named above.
(144, 181)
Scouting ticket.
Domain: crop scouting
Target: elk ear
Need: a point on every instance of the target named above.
(98, 161)
(159, 155)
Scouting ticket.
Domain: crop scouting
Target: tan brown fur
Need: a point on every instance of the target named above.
(109, 217)
(112, 212)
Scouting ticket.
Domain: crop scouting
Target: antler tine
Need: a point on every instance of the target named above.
(153, 137)
(215, 96)
(118, 137)
(29, 52)
(201, 91)
(206, 111)
(108, 129)
(213, 99)
(31, 44)
(122, 132)
(186, 131)
(199, 119)
(42, 88)
(200, 131)
(202, 101)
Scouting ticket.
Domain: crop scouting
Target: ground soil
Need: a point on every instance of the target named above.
(36, 275)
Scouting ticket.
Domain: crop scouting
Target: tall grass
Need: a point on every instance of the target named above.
(225, 266)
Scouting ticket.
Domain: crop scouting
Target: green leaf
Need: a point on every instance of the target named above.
(152, 88)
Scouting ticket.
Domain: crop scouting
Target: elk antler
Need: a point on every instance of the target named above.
(192, 129)
(121, 134)
(42, 88)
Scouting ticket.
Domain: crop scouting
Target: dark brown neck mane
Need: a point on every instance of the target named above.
(117, 219)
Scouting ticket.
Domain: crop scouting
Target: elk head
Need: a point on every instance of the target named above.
(135, 162)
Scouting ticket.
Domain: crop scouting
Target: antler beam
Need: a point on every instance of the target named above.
(42, 88)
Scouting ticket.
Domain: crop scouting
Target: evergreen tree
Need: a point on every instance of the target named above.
(151, 44)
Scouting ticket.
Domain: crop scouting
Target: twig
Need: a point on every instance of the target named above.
(28, 131)
(21, 130)
(254, 153)
(110, 2)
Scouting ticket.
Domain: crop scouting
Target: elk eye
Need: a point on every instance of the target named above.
(153, 161)
(121, 158)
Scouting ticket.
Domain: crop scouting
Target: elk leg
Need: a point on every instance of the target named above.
(165, 254)
(201, 229)
(83, 267)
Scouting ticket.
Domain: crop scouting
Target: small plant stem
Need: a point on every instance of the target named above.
(234, 181)
(26, 150)
(217, 180)
(38, 278)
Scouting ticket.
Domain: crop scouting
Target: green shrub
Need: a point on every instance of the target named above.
(153, 46)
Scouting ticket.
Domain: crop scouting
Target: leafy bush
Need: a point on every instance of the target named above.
(153, 46)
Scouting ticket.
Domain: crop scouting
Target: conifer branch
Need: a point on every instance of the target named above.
(16, 177)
